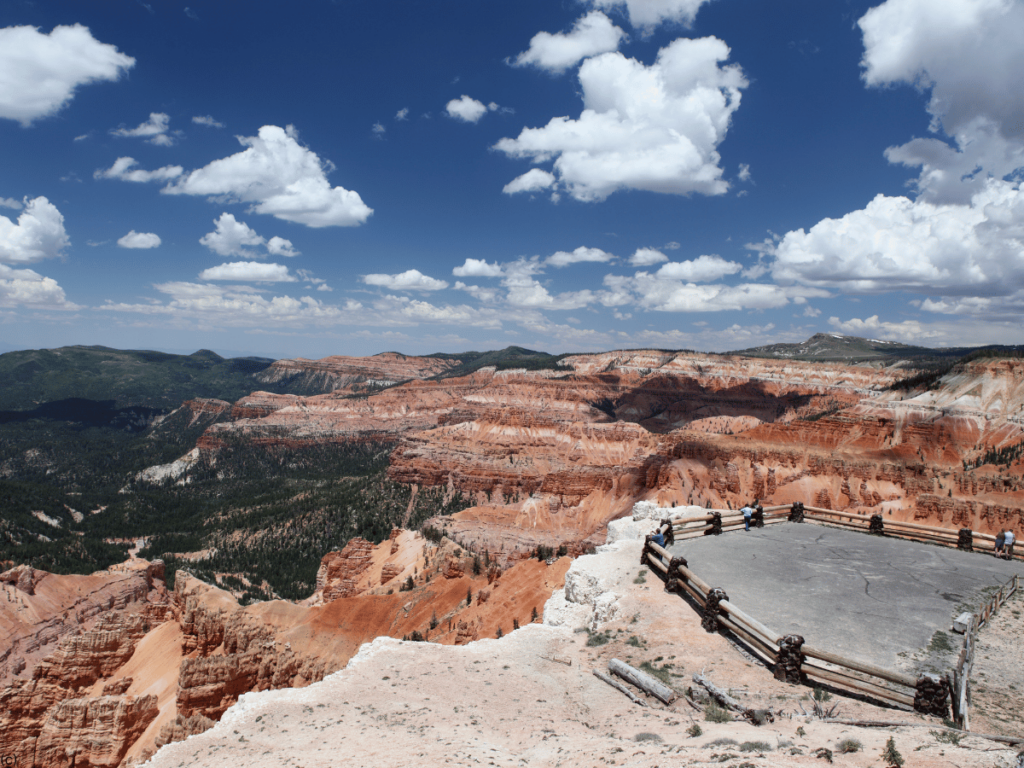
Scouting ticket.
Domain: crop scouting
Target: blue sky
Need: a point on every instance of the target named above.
(353, 177)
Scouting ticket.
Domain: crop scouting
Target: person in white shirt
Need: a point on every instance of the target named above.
(1008, 540)
(747, 513)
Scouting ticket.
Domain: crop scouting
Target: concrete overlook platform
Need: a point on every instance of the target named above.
(861, 596)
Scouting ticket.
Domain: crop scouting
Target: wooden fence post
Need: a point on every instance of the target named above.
(796, 512)
(791, 658)
(965, 540)
(712, 610)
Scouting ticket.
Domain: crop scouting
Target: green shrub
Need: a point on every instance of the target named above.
(715, 714)
(847, 746)
(948, 737)
(598, 638)
(662, 673)
(822, 695)
(756, 746)
(694, 730)
(648, 737)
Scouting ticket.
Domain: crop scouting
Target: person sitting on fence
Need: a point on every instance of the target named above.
(1000, 541)
(747, 513)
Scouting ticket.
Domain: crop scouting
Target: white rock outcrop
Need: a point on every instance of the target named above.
(173, 471)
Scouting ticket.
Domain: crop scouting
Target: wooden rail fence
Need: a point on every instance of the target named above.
(960, 677)
(790, 658)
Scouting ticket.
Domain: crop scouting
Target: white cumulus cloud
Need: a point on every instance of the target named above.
(40, 72)
(410, 280)
(208, 121)
(10, 202)
(578, 256)
(645, 257)
(907, 330)
(525, 291)
(898, 244)
(280, 177)
(154, 130)
(233, 306)
(647, 14)
(592, 34)
(533, 180)
(654, 128)
(124, 169)
(249, 271)
(26, 288)
(968, 54)
(38, 234)
(278, 246)
(703, 269)
(478, 268)
(467, 109)
(235, 238)
(664, 295)
(139, 240)
(485, 295)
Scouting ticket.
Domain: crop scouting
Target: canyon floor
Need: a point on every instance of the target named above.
(529, 698)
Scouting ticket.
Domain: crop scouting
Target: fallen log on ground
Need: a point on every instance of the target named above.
(718, 694)
(643, 681)
(619, 687)
(755, 716)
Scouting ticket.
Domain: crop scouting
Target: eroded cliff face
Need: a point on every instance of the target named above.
(145, 667)
(551, 456)
(48, 711)
(353, 374)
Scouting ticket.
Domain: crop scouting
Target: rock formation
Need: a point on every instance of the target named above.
(129, 667)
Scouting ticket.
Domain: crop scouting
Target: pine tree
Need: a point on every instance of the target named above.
(890, 756)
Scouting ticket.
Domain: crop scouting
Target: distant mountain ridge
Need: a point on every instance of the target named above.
(126, 377)
(835, 347)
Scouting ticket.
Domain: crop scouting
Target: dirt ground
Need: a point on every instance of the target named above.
(997, 680)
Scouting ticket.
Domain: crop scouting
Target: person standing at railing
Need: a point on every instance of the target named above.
(748, 512)
(1000, 541)
(1008, 544)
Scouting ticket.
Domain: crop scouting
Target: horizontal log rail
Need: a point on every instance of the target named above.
(694, 579)
(692, 592)
(853, 683)
(868, 669)
(815, 517)
(770, 654)
(767, 635)
(822, 511)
